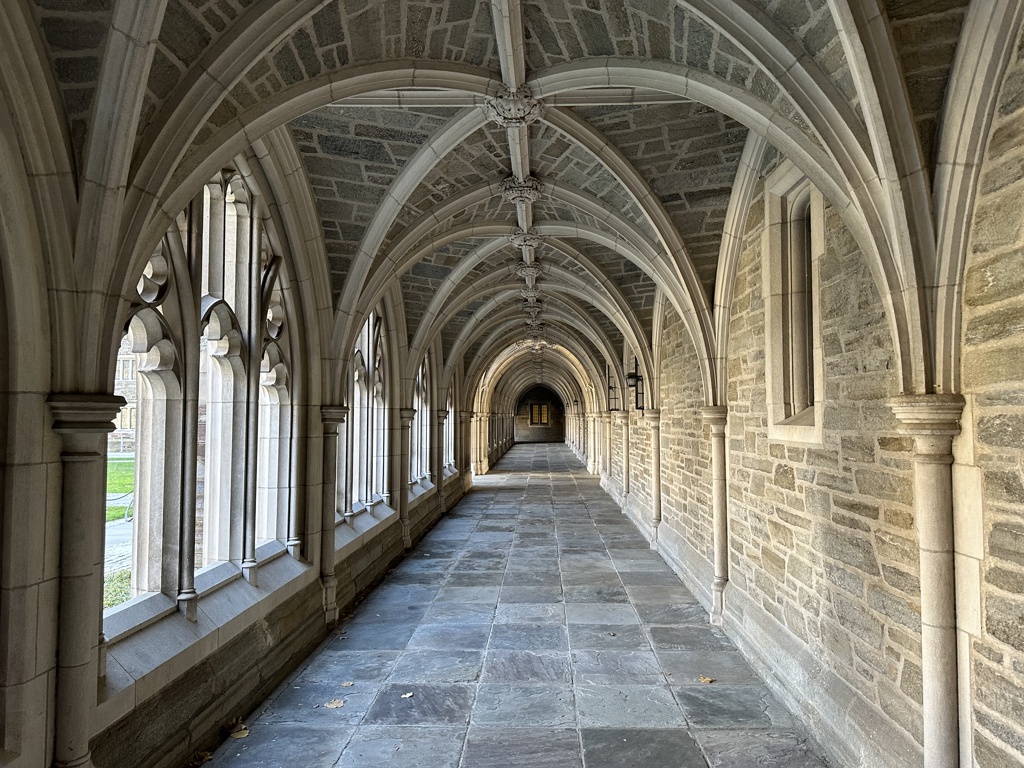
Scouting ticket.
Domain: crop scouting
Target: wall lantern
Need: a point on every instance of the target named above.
(636, 382)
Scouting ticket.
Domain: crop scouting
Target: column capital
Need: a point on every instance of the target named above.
(465, 416)
(715, 415)
(406, 415)
(441, 416)
(928, 415)
(84, 412)
(622, 417)
(333, 414)
(653, 415)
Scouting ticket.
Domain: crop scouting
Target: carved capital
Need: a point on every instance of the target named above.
(715, 415)
(83, 420)
(515, 190)
(407, 415)
(333, 414)
(513, 108)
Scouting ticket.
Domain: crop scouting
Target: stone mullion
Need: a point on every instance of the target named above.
(83, 422)
(716, 416)
(197, 244)
(254, 357)
(933, 422)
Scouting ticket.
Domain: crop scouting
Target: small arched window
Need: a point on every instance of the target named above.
(369, 422)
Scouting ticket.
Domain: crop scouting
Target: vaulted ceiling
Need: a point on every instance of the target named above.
(525, 175)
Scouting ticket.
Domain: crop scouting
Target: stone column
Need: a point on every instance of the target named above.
(623, 419)
(465, 424)
(401, 503)
(716, 416)
(82, 421)
(606, 457)
(933, 421)
(654, 417)
(437, 454)
(332, 417)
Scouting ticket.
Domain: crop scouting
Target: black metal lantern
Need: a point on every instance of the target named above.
(613, 394)
(632, 376)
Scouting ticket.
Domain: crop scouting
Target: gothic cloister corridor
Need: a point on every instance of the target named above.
(534, 627)
(739, 283)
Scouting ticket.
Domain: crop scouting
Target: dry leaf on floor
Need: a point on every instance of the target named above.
(407, 695)
(199, 758)
(334, 704)
(706, 680)
(237, 729)
(348, 684)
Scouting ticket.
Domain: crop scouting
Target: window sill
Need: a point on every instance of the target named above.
(805, 428)
(151, 643)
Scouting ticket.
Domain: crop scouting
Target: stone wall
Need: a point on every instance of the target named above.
(686, 515)
(823, 554)
(824, 584)
(989, 473)
(553, 432)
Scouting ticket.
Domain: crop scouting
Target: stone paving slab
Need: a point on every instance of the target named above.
(532, 627)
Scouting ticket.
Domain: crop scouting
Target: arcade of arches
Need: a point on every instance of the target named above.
(278, 280)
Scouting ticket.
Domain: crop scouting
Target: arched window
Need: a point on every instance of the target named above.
(449, 431)
(368, 433)
(420, 439)
(207, 438)
(793, 245)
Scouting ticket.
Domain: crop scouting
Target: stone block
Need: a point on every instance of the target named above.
(847, 548)
(855, 617)
(884, 485)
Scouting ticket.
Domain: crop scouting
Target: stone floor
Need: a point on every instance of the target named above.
(532, 627)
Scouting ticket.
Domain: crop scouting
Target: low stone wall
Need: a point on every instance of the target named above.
(190, 712)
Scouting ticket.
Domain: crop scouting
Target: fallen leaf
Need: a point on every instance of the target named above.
(241, 733)
(407, 695)
(198, 758)
(349, 684)
(611, 634)
(334, 704)
(706, 680)
(237, 729)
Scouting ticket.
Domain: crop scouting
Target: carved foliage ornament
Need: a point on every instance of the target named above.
(513, 108)
(521, 239)
(527, 271)
(530, 294)
(526, 190)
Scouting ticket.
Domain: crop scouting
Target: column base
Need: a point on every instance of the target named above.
(251, 572)
(717, 618)
(330, 599)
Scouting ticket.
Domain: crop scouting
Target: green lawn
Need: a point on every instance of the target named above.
(116, 513)
(120, 475)
(117, 587)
